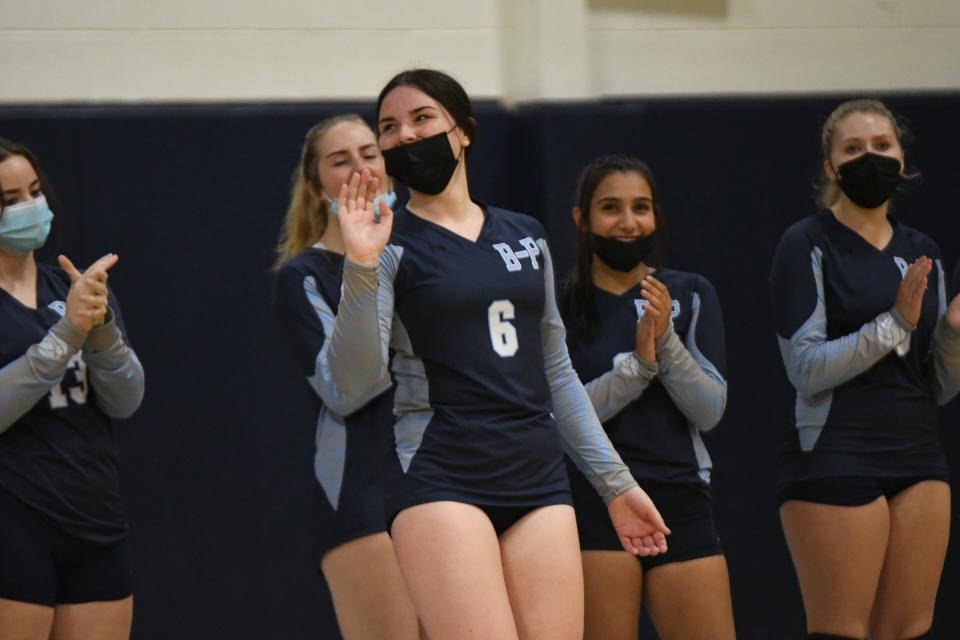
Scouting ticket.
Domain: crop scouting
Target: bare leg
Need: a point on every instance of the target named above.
(541, 565)
(368, 592)
(450, 559)
(613, 585)
(919, 531)
(838, 553)
(93, 620)
(690, 600)
(24, 621)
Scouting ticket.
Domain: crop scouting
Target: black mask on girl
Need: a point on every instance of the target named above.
(622, 255)
(425, 165)
(869, 180)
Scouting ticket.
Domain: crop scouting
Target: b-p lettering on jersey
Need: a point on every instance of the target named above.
(513, 258)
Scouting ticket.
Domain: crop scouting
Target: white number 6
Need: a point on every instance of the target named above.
(503, 335)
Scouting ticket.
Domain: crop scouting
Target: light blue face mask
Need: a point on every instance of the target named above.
(390, 198)
(24, 226)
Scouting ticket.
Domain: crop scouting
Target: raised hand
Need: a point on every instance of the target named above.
(87, 299)
(646, 334)
(658, 297)
(641, 530)
(364, 237)
(911, 290)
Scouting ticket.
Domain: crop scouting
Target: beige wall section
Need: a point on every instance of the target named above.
(142, 50)
(738, 46)
(182, 50)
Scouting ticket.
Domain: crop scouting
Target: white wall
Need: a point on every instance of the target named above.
(184, 50)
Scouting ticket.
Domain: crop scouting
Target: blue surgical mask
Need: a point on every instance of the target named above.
(389, 197)
(24, 226)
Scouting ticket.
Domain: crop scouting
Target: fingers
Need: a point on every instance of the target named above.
(67, 266)
(103, 264)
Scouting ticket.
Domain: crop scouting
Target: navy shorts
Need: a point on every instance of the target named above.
(686, 508)
(850, 491)
(502, 517)
(41, 564)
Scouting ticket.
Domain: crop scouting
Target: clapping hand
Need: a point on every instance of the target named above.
(87, 299)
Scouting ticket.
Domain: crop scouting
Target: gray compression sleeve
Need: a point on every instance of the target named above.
(815, 364)
(359, 347)
(583, 438)
(693, 382)
(26, 380)
(620, 386)
(115, 371)
(322, 379)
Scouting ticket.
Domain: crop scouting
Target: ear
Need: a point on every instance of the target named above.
(578, 218)
(828, 171)
(312, 190)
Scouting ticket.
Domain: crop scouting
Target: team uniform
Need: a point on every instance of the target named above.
(868, 384)
(654, 413)
(482, 371)
(63, 532)
(353, 435)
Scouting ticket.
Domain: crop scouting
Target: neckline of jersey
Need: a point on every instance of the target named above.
(430, 223)
(894, 224)
(36, 285)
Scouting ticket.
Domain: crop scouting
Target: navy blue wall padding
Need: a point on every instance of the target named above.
(217, 464)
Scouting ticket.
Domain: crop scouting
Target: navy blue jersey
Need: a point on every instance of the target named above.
(480, 364)
(353, 435)
(654, 414)
(867, 383)
(58, 389)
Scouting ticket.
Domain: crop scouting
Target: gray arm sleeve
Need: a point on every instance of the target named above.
(359, 347)
(620, 386)
(322, 379)
(583, 438)
(115, 371)
(26, 380)
(693, 382)
(946, 349)
(815, 364)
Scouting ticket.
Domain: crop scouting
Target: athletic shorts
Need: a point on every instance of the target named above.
(850, 491)
(502, 517)
(41, 564)
(686, 508)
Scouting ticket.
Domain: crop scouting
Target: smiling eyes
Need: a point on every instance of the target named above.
(387, 127)
(610, 206)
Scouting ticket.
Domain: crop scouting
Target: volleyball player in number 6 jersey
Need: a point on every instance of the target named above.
(481, 516)
(871, 349)
(353, 434)
(65, 370)
(648, 344)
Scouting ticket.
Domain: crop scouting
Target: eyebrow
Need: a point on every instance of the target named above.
(618, 199)
(345, 151)
(412, 112)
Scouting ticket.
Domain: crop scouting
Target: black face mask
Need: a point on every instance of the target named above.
(425, 165)
(620, 254)
(869, 180)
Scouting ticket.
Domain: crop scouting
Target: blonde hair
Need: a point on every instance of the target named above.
(307, 214)
(828, 192)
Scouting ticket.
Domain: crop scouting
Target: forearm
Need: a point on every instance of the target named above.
(26, 380)
(693, 383)
(946, 360)
(115, 372)
(359, 344)
(620, 386)
(814, 365)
